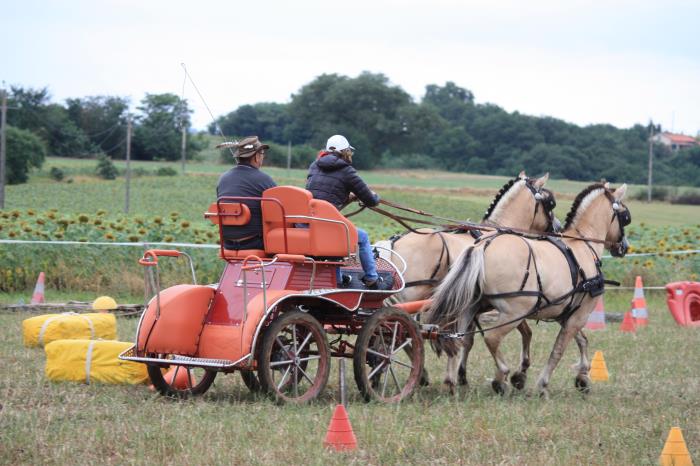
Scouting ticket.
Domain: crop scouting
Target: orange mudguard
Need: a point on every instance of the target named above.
(183, 309)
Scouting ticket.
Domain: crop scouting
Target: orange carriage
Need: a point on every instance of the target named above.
(280, 314)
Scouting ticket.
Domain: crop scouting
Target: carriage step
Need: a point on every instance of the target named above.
(177, 360)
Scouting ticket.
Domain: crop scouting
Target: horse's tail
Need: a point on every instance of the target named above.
(455, 298)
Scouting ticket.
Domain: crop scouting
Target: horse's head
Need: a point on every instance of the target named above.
(524, 203)
(598, 212)
(544, 218)
(621, 217)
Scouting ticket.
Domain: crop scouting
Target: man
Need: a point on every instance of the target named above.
(332, 178)
(246, 180)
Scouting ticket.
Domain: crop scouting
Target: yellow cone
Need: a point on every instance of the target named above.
(675, 452)
(104, 303)
(599, 371)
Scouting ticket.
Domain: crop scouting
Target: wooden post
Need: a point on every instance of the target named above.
(128, 163)
(183, 147)
(3, 121)
(651, 159)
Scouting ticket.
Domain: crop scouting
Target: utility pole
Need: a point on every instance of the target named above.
(128, 163)
(3, 121)
(289, 157)
(651, 158)
(183, 146)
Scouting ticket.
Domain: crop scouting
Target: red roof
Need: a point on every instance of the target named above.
(681, 138)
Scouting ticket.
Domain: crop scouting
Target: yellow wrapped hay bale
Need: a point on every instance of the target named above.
(89, 361)
(40, 330)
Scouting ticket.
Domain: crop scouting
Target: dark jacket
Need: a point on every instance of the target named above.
(246, 181)
(332, 179)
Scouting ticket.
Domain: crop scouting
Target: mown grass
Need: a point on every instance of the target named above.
(654, 385)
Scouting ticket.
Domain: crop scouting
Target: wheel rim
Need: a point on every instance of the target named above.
(297, 361)
(180, 380)
(392, 360)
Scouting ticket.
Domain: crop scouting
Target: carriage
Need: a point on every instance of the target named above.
(280, 314)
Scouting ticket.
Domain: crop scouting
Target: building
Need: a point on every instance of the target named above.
(676, 141)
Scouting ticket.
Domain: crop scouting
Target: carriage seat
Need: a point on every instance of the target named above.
(230, 213)
(328, 233)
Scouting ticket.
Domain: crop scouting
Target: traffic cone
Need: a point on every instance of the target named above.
(675, 452)
(599, 371)
(340, 435)
(628, 324)
(180, 381)
(639, 303)
(596, 319)
(38, 296)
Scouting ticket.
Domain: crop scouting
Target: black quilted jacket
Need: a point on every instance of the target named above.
(332, 179)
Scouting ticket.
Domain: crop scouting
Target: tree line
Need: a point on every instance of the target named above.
(445, 129)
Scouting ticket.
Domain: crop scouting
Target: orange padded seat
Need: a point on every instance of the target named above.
(242, 254)
(329, 233)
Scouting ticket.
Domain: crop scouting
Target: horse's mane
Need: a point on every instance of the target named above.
(571, 216)
(506, 187)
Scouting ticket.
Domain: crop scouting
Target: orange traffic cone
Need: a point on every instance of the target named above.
(675, 451)
(596, 320)
(38, 296)
(639, 303)
(599, 371)
(340, 435)
(628, 324)
(180, 381)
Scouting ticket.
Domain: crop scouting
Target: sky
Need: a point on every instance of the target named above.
(586, 62)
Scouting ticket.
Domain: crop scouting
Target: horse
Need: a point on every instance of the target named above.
(528, 278)
(521, 203)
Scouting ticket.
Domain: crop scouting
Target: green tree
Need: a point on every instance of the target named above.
(157, 135)
(24, 150)
(103, 120)
(266, 120)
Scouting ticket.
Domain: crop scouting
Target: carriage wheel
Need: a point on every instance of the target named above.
(388, 357)
(251, 381)
(294, 359)
(181, 381)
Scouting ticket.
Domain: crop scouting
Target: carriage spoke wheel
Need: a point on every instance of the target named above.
(388, 358)
(251, 381)
(294, 358)
(180, 381)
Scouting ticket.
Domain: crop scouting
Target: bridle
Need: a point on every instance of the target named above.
(624, 218)
(545, 198)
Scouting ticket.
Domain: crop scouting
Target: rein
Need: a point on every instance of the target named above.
(465, 225)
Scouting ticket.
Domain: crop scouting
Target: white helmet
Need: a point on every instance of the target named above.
(338, 143)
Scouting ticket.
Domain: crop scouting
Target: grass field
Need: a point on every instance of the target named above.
(654, 385)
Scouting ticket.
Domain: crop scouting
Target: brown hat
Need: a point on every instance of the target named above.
(249, 146)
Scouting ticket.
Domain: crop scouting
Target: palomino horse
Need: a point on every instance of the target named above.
(522, 203)
(529, 278)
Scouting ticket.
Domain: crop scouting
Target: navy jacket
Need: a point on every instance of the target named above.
(247, 181)
(332, 179)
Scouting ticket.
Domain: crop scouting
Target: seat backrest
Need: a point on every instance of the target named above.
(228, 213)
(295, 201)
(332, 235)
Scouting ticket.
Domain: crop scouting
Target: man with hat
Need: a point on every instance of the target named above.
(246, 180)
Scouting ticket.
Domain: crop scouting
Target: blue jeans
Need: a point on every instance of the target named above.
(366, 256)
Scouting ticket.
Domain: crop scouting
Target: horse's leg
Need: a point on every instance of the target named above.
(519, 378)
(567, 332)
(451, 375)
(493, 339)
(582, 381)
(467, 344)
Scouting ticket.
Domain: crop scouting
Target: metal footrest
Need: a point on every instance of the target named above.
(177, 360)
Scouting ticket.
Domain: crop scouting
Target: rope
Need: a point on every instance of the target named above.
(88, 361)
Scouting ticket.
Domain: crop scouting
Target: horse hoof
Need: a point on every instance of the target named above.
(498, 387)
(451, 387)
(424, 380)
(518, 380)
(582, 385)
(463, 381)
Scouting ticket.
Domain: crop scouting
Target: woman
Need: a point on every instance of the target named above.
(332, 178)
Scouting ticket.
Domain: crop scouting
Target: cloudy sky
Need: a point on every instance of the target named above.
(619, 62)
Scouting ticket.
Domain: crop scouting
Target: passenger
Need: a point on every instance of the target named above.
(246, 180)
(332, 178)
